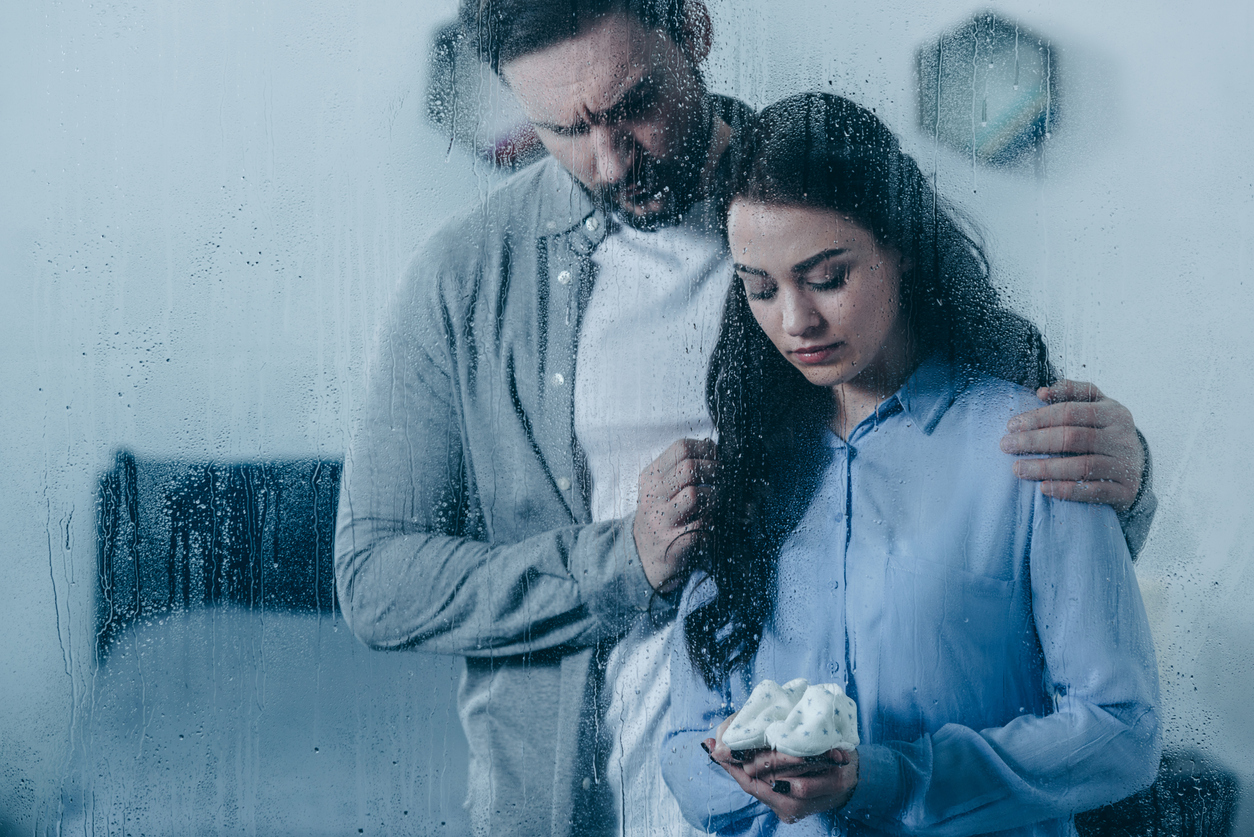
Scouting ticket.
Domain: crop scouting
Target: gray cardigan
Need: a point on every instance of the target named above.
(464, 524)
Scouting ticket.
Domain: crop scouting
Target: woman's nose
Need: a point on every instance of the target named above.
(799, 315)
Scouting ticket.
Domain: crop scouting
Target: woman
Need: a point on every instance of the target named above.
(868, 532)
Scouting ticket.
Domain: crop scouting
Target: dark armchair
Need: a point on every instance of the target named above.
(176, 536)
(227, 695)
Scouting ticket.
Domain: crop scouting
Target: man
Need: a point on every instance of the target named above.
(542, 351)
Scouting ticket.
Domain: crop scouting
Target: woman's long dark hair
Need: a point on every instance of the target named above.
(824, 151)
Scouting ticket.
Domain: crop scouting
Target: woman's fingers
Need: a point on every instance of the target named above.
(772, 764)
(715, 746)
(767, 763)
(827, 786)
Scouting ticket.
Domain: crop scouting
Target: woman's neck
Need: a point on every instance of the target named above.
(856, 399)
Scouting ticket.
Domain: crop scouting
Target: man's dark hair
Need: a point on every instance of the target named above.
(502, 30)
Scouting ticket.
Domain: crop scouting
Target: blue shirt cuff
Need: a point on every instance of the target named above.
(879, 791)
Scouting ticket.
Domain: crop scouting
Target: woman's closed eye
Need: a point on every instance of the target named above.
(829, 278)
(762, 294)
(757, 288)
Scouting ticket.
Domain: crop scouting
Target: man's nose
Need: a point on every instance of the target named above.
(612, 155)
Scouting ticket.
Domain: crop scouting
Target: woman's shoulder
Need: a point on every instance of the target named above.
(967, 436)
(989, 401)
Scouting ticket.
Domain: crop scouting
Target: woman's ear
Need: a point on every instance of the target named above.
(698, 31)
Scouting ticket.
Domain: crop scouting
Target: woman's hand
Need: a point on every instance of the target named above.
(1107, 461)
(792, 787)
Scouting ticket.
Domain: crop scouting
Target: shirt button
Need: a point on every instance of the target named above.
(563, 278)
(587, 783)
(563, 483)
(592, 224)
(558, 379)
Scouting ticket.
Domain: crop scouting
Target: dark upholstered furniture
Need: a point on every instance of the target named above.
(227, 696)
(1192, 797)
(177, 535)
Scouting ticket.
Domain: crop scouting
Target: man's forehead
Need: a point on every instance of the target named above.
(590, 72)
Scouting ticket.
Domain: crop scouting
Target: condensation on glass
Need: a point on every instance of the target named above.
(205, 212)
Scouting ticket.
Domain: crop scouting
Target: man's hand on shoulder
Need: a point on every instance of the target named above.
(675, 492)
(1104, 459)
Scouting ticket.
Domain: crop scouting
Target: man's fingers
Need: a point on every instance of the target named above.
(1072, 469)
(686, 505)
(689, 505)
(1066, 390)
(1070, 413)
(1085, 479)
(1050, 440)
(689, 472)
(685, 449)
(1113, 494)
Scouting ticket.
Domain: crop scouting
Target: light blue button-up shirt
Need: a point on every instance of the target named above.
(993, 639)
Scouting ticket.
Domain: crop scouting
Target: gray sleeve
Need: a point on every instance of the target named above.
(1137, 519)
(413, 565)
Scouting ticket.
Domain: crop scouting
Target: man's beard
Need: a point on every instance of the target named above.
(673, 186)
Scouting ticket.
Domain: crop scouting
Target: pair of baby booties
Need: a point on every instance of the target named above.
(796, 719)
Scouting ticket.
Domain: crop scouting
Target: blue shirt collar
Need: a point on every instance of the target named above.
(924, 399)
(929, 392)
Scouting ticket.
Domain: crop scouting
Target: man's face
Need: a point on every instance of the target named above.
(622, 108)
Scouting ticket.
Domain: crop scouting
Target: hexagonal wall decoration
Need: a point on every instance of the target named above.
(988, 88)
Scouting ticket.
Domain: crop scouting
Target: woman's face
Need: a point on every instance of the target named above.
(824, 291)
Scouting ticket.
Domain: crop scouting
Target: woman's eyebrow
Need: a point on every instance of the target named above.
(817, 259)
(753, 271)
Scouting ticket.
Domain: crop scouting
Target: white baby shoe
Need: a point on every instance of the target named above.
(768, 703)
(796, 719)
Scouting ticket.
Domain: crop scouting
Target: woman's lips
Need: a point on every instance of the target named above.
(811, 355)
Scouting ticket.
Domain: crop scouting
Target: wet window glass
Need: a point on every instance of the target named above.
(438, 420)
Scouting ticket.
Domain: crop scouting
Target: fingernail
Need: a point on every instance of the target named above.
(705, 746)
(739, 755)
(781, 787)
